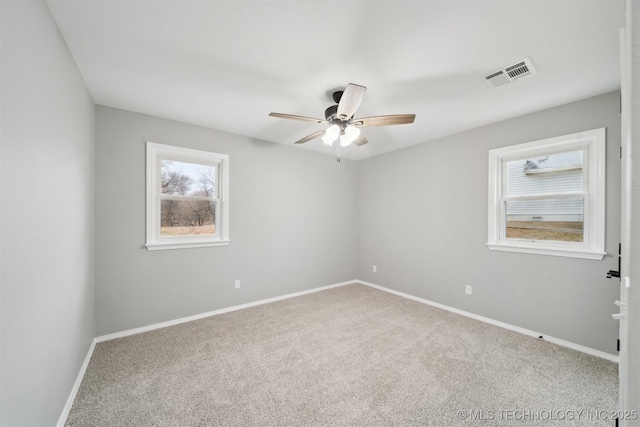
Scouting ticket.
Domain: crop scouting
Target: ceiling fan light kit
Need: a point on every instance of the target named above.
(343, 126)
(331, 134)
(348, 135)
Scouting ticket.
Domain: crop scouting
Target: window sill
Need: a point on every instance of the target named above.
(184, 245)
(546, 250)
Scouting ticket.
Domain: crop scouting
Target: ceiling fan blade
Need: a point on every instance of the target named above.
(350, 101)
(310, 137)
(394, 119)
(360, 140)
(294, 117)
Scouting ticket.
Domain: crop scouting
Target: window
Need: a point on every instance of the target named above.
(548, 197)
(187, 198)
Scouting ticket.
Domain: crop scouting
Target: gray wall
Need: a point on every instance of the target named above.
(423, 221)
(291, 226)
(47, 210)
(298, 220)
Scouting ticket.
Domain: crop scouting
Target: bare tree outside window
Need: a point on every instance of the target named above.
(188, 199)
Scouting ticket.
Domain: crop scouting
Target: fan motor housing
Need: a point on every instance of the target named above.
(331, 113)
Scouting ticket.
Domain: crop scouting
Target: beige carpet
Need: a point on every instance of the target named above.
(348, 356)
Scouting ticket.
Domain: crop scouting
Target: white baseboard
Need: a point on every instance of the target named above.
(74, 391)
(76, 386)
(214, 312)
(490, 321)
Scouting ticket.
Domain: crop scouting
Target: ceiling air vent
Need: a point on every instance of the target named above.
(511, 73)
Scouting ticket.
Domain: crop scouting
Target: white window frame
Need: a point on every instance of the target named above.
(156, 153)
(593, 142)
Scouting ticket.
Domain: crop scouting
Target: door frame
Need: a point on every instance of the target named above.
(625, 216)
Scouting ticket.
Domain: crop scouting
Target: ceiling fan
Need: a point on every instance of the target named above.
(345, 129)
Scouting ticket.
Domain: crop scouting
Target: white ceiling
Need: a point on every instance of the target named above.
(227, 64)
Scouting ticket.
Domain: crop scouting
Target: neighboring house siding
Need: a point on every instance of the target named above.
(567, 181)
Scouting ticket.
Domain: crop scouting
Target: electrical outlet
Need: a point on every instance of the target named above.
(467, 290)
(237, 284)
(375, 269)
